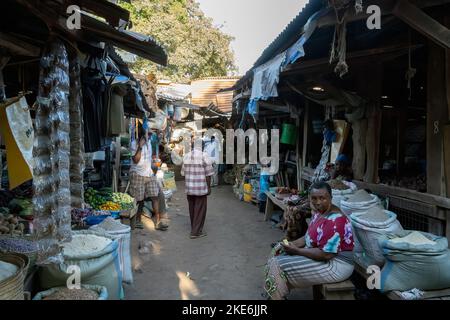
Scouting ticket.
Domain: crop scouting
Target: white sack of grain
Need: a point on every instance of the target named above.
(359, 202)
(415, 259)
(122, 233)
(96, 254)
(368, 227)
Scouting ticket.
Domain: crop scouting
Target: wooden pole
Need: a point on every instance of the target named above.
(437, 117)
(374, 123)
(305, 133)
(116, 179)
(297, 156)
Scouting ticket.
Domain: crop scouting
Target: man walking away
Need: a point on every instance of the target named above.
(212, 149)
(143, 183)
(197, 170)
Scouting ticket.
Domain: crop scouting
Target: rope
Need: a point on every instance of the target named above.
(411, 72)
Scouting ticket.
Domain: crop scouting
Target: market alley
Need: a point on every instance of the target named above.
(227, 264)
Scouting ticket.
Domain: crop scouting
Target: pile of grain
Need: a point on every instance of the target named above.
(375, 214)
(110, 224)
(74, 294)
(7, 270)
(360, 196)
(414, 238)
(83, 244)
(338, 185)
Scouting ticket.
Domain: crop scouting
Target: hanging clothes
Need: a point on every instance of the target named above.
(93, 87)
(115, 115)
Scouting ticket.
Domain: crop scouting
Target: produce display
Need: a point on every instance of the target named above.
(9, 224)
(78, 215)
(124, 200)
(21, 207)
(111, 206)
(105, 199)
(95, 198)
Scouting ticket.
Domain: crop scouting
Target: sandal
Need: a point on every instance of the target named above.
(139, 225)
(161, 226)
(201, 235)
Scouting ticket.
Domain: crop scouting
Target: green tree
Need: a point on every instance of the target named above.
(195, 47)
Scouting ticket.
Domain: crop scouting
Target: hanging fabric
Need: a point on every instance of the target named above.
(339, 45)
(17, 130)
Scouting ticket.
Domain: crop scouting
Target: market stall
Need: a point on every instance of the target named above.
(64, 96)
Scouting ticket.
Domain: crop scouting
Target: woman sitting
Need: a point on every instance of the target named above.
(323, 255)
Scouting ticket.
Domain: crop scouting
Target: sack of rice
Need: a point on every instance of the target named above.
(97, 256)
(369, 226)
(122, 233)
(415, 259)
(341, 189)
(359, 202)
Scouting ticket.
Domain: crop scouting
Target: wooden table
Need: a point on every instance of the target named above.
(271, 201)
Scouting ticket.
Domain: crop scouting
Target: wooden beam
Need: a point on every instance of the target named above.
(374, 123)
(385, 190)
(437, 117)
(305, 133)
(242, 95)
(274, 107)
(387, 7)
(423, 23)
(17, 46)
(447, 158)
(376, 54)
(297, 155)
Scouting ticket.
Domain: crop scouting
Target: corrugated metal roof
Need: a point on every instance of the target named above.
(206, 92)
(173, 91)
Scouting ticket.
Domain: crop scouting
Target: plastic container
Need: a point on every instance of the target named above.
(94, 220)
(248, 192)
(289, 134)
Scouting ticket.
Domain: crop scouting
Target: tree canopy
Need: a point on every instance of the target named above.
(195, 47)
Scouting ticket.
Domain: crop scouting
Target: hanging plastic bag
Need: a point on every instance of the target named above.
(17, 129)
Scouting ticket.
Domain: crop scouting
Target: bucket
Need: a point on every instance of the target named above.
(289, 134)
(247, 192)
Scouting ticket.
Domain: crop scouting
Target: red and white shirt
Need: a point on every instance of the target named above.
(196, 167)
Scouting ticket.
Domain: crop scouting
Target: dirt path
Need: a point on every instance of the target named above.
(227, 264)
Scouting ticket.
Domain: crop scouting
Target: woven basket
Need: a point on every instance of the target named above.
(32, 256)
(12, 288)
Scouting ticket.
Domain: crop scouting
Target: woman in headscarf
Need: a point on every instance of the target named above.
(323, 255)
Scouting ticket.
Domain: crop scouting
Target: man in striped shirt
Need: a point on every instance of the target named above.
(197, 170)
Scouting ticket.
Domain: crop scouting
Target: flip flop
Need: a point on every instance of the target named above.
(162, 227)
(201, 235)
(139, 225)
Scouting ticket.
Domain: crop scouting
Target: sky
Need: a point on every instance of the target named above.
(253, 23)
